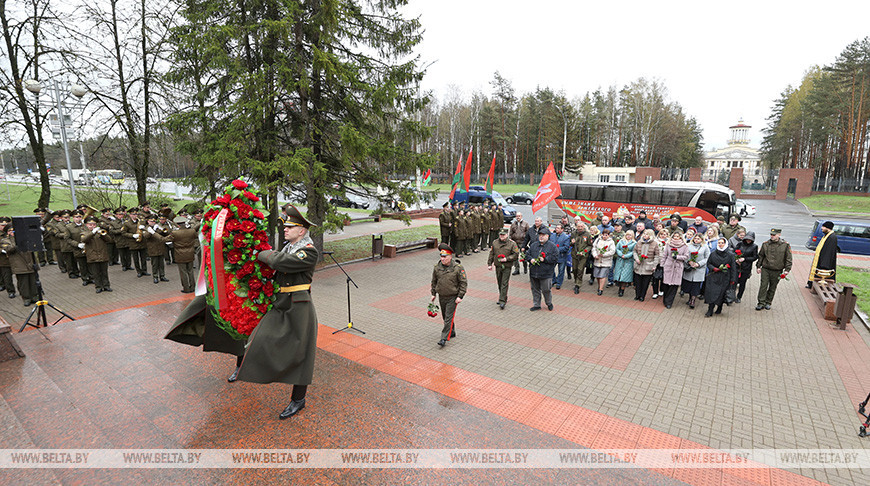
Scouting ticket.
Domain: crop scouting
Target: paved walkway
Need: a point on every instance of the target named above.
(597, 372)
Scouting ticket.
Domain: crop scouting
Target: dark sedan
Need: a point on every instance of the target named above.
(520, 198)
(350, 201)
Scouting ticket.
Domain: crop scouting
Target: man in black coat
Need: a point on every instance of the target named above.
(542, 256)
(825, 260)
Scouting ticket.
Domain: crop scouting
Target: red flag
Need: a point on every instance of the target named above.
(548, 190)
(490, 176)
(456, 178)
(467, 175)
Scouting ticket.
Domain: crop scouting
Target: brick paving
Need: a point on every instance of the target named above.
(598, 371)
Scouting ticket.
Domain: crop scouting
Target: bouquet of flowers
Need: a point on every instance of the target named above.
(240, 289)
(674, 253)
(693, 256)
(722, 267)
(539, 260)
(644, 257)
(432, 310)
(738, 253)
(522, 256)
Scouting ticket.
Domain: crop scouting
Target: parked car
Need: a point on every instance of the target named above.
(520, 198)
(477, 194)
(852, 236)
(744, 208)
(350, 201)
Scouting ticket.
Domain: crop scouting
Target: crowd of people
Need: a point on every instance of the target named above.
(701, 261)
(83, 243)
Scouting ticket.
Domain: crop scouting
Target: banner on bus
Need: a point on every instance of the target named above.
(587, 210)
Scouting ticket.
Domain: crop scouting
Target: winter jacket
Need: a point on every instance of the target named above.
(604, 248)
(563, 244)
(749, 253)
(546, 268)
(646, 266)
(673, 264)
(623, 267)
(696, 274)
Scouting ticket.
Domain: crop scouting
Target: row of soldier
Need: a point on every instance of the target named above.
(83, 245)
(470, 228)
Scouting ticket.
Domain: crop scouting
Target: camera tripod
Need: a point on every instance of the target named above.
(39, 310)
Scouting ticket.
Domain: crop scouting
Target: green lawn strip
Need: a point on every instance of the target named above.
(361, 246)
(20, 199)
(860, 277)
(838, 203)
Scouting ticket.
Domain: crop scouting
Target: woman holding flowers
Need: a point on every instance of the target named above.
(676, 253)
(721, 273)
(646, 259)
(623, 268)
(602, 257)
(696, 268)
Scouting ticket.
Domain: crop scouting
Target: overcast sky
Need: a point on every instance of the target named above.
(719, 60)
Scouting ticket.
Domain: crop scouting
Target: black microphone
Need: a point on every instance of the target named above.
(328, 252)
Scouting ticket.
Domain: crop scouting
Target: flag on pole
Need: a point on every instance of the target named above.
(490, 176)
(467, 174)
(548, 190)
(427, 177)
(457, 177)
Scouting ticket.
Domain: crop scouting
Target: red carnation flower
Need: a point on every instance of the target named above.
(255, 284)
(248, 226)
(269, 290)
(258, 214)
(240, 184)
(239, 241)
(234, 256)
(261, 235)
(263, 247)
(223, 200)
(253, 294)
(267, 272)
(251, 196)
(264, 308)
(233, 225)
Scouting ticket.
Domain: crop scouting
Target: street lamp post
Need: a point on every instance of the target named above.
(564, 137)
(76, 90)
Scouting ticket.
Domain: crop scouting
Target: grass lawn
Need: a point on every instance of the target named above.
(859, 277)
(361, 246)
(20, 199)
(833, 202)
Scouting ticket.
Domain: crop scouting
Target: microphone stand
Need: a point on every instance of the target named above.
(349, 281)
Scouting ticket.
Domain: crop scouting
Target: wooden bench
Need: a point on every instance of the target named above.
(391, 250)
(826, 292)
(8, 347)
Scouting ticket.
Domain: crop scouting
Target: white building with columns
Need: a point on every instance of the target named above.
(738, 153)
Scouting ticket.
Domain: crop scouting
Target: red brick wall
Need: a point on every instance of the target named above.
(804, 179)
(695, 174)
(735, 182)
(642, 173)
(757, 196)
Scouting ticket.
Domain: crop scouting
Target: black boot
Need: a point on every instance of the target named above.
(292, 409)
(692, 303)
(235, 376)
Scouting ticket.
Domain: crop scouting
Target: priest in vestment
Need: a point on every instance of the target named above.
(825, 260)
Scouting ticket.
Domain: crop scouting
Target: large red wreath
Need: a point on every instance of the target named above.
(240, 287)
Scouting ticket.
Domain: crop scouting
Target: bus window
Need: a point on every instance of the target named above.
(569, 191)
(677, 197)
(651, 195)
(715, 202)
(619, 194)
(590, 193)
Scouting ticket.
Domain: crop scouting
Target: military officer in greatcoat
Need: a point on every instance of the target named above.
(503, 254)
(449, 284)
(282, 347)
(97, 253)
(184, 239)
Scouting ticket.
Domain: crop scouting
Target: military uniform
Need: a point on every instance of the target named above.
(122, 243)
(475, 227)
(728, 231)
(132, 229)
(155, 244)
(511, 253)
(445, 222)
(774, 258)
(581, 246)
(21, 265)
(518, 235)
(66, 249)
(497, 223)
(46, 256)
(97, 254)
(463, 233)
(106, 224)
(5, 267)
(74, 235)
(54, 231)
(449, 282)
(184, 238)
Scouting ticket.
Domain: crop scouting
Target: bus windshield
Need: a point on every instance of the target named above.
(688, 199)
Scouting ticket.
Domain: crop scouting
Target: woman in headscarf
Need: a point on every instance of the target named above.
(695, 269)
(675, 254)
(623, 268)
(646, 259)
(722, 273)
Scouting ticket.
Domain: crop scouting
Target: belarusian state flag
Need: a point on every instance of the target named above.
(457, 177)
(427, 177)
(467, 174)
(490, 176)
(548, 190)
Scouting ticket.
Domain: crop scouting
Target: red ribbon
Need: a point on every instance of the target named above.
(219, 290)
